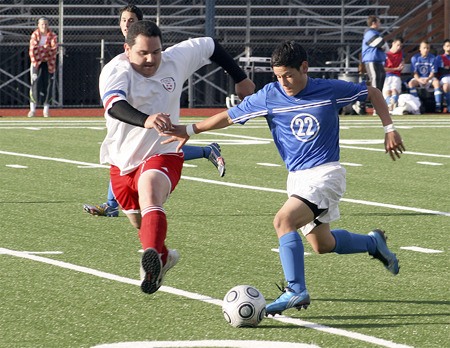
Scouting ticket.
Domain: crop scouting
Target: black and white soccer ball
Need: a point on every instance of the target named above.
(244, 306)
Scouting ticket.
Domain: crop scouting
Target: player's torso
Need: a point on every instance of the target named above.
(424, 65)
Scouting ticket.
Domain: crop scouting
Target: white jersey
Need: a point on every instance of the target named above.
(127, 146)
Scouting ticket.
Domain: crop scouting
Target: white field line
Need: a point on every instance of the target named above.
(203, 298)
(250, 187)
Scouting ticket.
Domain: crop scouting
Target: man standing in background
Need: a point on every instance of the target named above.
(373, 54)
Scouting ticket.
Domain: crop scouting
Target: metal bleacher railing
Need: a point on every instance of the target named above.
(330, 31)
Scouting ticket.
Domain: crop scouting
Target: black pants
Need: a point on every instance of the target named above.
(41, 84)
(376, 73)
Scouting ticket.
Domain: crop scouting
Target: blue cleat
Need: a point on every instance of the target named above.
(215, 157)
(288, 299)
(101, 210)
(382, 252)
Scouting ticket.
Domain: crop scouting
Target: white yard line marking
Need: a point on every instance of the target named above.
(266, 189)
(405, 153)
(422, 250)
(430, 163)
(276, 250)
(351, 164)
(203, 298)
(268, 164)
(18, 166)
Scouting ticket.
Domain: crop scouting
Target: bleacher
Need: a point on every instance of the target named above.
(330, 30)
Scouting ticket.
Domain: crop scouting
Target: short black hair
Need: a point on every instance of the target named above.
(289, 54)
(133, 9)
(145, 28)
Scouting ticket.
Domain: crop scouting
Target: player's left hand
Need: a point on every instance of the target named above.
(393, 144)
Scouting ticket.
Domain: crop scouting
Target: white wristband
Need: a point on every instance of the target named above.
(389, 128)
(190, 130)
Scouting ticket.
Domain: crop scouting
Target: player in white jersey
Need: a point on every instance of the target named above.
(303, 116)
(141, 96)
(128, 15)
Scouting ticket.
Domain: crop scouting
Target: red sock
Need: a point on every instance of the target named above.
(154, 230)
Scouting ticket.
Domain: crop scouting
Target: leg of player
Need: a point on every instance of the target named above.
(211, 152)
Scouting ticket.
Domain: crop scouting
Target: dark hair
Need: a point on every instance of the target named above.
(446, 40)
(371, 20)
(289, 54)
(398, 38)
(145, 28)
(133, 9)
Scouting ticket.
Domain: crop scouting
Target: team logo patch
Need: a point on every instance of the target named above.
(305, 127)
(168, 83)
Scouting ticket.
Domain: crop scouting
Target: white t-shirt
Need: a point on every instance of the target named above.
(127, 146)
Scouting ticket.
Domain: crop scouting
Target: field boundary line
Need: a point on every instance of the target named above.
(203, 298)
(257, 188)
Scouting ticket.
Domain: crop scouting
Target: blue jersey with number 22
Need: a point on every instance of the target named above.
(305, 127)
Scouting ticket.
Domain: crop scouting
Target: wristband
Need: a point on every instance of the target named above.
(389, 128)
(190, 130)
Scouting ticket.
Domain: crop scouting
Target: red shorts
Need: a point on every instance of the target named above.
(125, 187)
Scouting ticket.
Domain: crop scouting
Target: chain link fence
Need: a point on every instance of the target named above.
(89, 36)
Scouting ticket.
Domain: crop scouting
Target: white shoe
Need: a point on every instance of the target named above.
(172, 260)
(30, 113)
(46, 114)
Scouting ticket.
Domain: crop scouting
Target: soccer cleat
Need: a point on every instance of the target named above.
(172, 260)
(215, 157)
(288, 299)
(382, 253)
(101, 210)
(151, 271)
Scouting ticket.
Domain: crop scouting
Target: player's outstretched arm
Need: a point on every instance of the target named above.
(183, 133)
(393, 142)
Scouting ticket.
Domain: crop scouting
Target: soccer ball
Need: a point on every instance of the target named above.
(244, 306)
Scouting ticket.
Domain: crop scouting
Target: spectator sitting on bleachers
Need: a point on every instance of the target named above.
(423, 66)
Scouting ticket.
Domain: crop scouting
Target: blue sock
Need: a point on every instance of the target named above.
(194, 152)
(395, 98)
(111, 199)
(352, 243)
(447, 98)
(438, 99)
(413, 91)
(388, 99)
(293, 260)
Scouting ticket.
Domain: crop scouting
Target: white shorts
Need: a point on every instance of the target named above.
(445, 79)
(324, 186)
(392, 82)
(427, 85)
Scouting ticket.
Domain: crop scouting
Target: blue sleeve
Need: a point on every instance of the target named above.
(251, 107)
(349, 92)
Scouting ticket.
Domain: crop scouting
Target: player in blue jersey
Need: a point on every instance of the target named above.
(303, 116)
(424, 67)
(373, 54)
(127, 16)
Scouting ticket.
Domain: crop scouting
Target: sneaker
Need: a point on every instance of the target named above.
(288, 299)
(46, 114)
(172, 260)
(382, 252)
(30, 113)
(151, 270)
(101, 210)
(215, 157)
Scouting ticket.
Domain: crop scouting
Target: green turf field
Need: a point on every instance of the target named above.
(71, 280)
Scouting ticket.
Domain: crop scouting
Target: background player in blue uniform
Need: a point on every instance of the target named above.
(424, 67)
(302, 114)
